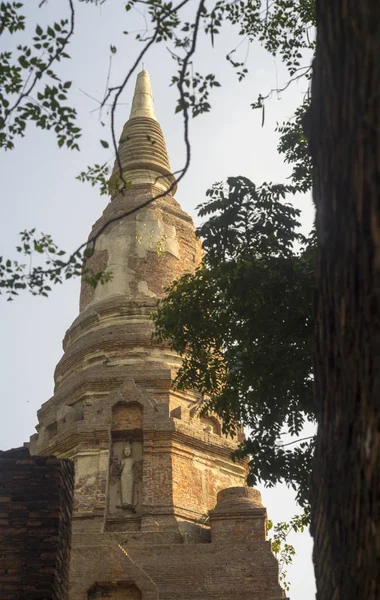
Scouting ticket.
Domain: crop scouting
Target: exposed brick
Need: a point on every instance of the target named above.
(35, 539)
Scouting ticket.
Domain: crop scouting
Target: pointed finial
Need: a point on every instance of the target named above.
(142, 105)
(142, 150)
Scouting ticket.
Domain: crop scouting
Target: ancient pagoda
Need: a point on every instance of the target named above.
(160, 509)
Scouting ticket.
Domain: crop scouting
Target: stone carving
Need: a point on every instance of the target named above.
(127, 479)
(210, 425)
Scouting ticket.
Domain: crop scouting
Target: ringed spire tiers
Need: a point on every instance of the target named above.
(142, 149)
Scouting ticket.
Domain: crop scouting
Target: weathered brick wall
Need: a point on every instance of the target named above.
(36, 496)
(235, 562)
(145, 251)
(234, 571)
(127, 416)
(197, 477)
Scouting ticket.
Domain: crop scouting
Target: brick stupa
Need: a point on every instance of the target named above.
(148, 468)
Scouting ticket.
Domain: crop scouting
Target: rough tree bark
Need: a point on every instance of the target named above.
(344, 130)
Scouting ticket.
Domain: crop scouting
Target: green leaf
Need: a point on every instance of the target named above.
(23, 62)
(104, 144)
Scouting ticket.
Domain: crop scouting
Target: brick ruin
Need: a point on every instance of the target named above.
(36, 499)
(148, 468)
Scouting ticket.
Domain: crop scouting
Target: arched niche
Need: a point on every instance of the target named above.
(114, 591)
(210, 425)
(126, 464)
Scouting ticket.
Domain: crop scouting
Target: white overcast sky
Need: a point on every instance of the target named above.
(39, 189)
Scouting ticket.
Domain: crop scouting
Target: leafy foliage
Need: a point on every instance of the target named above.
(30, 89)
(98, 175)
(197, 97)
(280, 546)
(10, 17)
(57, 266)
(282, 26)
(243, 325)
(293, 144)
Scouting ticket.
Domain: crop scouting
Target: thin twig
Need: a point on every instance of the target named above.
(108, 78)
(310, 437)
(278, 91)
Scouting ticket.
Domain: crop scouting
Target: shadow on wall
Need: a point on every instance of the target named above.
(115, 591)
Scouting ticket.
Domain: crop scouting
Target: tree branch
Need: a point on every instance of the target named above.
(40, 72)
(310, 437)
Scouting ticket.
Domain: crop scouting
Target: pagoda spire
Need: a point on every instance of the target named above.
(148, 465)
(142, 149)
(142, 104)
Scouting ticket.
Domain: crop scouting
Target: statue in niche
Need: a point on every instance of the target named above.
(127, 479)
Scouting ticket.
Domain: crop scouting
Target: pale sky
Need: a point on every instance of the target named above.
(39, 189)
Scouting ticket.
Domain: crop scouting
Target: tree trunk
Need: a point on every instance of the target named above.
(344, 129)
